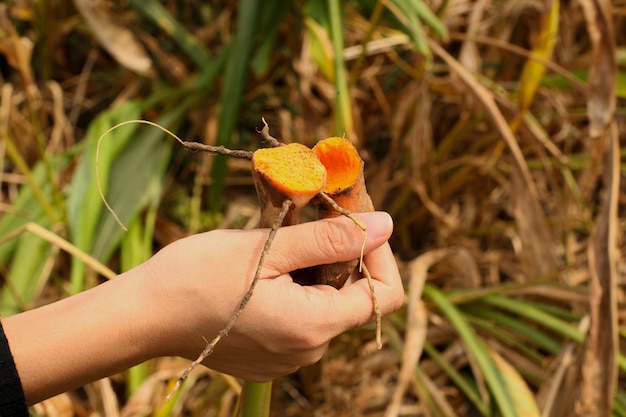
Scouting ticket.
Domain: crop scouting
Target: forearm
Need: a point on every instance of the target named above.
(185, 295)
(80, 339)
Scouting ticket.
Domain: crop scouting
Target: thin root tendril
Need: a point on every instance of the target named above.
(242, 305)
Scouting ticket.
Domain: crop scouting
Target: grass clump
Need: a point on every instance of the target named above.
(479, 131)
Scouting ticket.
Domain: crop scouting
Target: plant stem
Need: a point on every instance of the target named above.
(343, 111)
(22, 166)
(256, 399)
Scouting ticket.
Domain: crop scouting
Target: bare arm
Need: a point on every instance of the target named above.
(188, 291)
(79, 339)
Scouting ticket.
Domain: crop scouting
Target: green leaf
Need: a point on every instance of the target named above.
(271, 13)
(522, 399)
(26, 207)
(25, 279)
(343, 106)
(230, 98)
(459, 380)
(24, 256)
(429, 18)
(321, 48)
(188, 43)
(521, 329)
(412, 26)
(538, 316)
(476, 348)
(534, 70)
(135, 182)
(84, 203)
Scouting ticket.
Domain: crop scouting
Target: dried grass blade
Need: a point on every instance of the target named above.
(437, 394)
(415, 337)
(57, 240)
(416, 326)
(574, 80)
(602, 343)
(115, 38)
(548, 397)
(599, 366)
(533, 226)
(603, 71)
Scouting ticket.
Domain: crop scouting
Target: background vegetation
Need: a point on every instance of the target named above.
(487, 128)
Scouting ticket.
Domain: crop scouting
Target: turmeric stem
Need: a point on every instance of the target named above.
(345, 186)
(352, 217)
(242, 305)
(265, 134)
(219, 150)
(256, 399)
(362, 267)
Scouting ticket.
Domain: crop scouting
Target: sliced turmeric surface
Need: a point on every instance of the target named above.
(342, 161)
(293, 170)
(345, 185)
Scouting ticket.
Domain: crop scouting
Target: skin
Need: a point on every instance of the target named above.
(186, 293)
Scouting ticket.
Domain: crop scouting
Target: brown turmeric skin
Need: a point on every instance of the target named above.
(345, 184)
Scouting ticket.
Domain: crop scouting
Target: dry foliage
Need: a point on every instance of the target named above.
(502, 177)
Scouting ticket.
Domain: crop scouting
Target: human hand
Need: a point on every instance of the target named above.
(195, 285)
(187, 292)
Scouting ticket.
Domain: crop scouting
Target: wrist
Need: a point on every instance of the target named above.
(164, 319)
(146, 312)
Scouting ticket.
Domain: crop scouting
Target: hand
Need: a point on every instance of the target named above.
(189, 290)
(198, 282)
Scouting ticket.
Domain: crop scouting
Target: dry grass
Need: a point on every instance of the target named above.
(493, 195)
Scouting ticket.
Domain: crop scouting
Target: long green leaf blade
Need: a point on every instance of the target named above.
(84, 203)
(232, 92)
(476, 347)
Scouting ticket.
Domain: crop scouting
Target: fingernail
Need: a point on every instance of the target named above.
(379, 224)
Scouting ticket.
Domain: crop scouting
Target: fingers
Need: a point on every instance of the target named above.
(337, 240)
(352, 306)
(326, 312)
(326, 241)
(292, 324)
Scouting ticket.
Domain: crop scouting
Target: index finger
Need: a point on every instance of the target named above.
(357, 308)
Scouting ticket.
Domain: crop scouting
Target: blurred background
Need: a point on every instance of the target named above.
(489, 129)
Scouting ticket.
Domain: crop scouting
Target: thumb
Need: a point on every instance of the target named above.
(326, 241)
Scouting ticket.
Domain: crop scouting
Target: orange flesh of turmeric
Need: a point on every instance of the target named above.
(346, 187)
(342, 161)
(293, 170)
